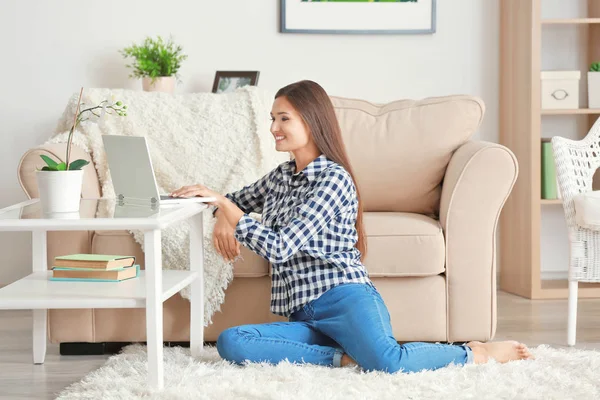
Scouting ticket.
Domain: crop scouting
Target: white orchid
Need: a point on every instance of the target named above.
(103, 108)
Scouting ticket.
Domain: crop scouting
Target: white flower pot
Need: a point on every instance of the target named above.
(164, 84)
(60, 191)
(593, 89)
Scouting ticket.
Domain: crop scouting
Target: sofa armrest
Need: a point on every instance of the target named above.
(63, 242)
(478, 180)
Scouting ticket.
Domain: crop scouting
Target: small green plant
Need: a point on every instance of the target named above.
(105, 107)
(595, 67)
(154, 58)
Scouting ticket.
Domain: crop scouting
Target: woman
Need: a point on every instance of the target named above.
(312, 234)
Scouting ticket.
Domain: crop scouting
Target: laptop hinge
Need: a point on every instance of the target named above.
(125, 200)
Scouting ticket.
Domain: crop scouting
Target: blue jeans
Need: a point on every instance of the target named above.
(349, 318)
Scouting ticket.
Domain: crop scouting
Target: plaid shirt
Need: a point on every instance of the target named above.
(307, 231)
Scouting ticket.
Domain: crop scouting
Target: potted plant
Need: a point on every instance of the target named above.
(59, 182)
(157, 62)
(594, 85)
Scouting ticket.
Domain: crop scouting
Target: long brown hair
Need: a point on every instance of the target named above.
(313, 104)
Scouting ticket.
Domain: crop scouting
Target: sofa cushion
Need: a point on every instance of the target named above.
(399, 244)
(403, 244)
(399, 151)
(121, 242)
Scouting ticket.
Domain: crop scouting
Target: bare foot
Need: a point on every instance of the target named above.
(502, 352)
(346, 360)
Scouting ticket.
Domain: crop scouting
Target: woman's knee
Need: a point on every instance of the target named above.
(231, 344)
(228, 345)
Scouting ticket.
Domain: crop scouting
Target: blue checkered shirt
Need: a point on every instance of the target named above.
(307, 231)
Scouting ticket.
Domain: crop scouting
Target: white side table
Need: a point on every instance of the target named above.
(149, 290)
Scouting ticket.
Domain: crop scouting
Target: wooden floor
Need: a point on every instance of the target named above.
(538, 322)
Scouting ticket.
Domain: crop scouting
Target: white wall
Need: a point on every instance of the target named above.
(51, 48)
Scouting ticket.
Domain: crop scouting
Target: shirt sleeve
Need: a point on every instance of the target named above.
(333, 191)
(251, 198)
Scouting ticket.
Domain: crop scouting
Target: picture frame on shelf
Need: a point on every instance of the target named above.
(358, 16)
(229, 81)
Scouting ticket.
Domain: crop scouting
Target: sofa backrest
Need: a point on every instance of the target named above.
(399, 151)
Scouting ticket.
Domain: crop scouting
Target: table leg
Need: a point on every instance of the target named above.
(197, 286)
(40, 263)
(154, 308)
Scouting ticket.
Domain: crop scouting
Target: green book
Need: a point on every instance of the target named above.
(549, 187)
(81, 275)
(86, 269)
(95, 261)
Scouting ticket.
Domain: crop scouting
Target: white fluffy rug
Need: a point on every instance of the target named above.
(555, 374)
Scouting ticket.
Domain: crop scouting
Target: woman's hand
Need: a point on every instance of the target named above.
(228, 216)
(200, 191)
(224, 241)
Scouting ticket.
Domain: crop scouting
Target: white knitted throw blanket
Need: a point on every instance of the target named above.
(219, 140)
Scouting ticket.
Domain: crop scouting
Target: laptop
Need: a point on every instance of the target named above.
(132, 173)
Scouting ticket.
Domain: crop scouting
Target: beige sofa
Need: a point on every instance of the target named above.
(432, 201)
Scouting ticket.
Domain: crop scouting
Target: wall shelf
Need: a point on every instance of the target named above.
(572, 112)
(550, 201)
(521, 232)
(566, 21)
(559, 289)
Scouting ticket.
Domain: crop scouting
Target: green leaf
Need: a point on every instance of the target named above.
(48, 169)
(154, 58)
(78, 164)
(61, 167)
(50, 162)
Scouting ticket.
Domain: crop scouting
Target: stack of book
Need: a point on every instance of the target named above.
(94, 267)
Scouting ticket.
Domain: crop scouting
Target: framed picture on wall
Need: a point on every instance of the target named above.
(229, 81)
(358, 16)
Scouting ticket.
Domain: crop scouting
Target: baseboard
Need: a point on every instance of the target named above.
(86, 349)
(102, 348)
(554, 275)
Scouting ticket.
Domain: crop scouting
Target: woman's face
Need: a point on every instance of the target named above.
(288, 127)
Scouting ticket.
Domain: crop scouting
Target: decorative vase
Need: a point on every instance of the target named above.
(60, 191)
(165, 84)
(593, 89)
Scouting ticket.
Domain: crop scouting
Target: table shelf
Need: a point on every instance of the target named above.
(37, 291)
